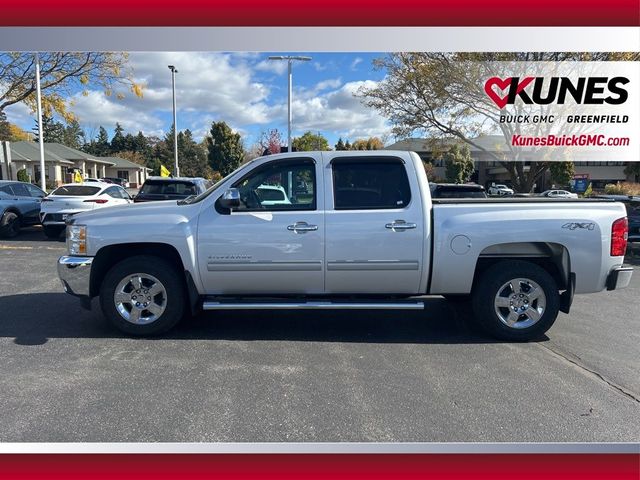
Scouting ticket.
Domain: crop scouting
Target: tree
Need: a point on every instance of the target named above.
(458, 163)
(5, 128)
(192, 158)
(310, 141)
(63, 74)
(270, 141)
(73, 135)
(100, 146)
(17, 134)
(562, 172)
(224, 147)
(347, 145)
(371, 143)
(340, 145)
(118, 141)
(52, 131)
(442, 95)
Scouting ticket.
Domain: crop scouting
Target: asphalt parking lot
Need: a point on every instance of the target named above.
(254, 376)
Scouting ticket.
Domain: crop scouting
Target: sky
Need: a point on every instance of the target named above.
(246, 90)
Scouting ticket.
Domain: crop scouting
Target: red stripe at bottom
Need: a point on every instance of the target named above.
(321, 466)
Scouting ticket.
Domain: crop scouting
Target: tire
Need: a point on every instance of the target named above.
(516, 284)
(53, 232)
(140, 277)
(9, 225)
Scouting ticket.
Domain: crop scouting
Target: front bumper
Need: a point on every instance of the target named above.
(75, 274)
(619, 277)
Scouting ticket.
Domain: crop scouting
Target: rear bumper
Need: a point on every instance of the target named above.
(619, 277)
(75, 275)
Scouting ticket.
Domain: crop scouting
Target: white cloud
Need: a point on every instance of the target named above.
(339, 111)
(97, 109)
(274, 66)
(355, 63)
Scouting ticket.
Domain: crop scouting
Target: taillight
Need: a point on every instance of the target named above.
(619, 235)
(98, 200)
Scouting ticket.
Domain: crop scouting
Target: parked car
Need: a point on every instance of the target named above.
(124, 183)
(500, 189)
(457, 190)
(164, 188)
(19, 206)
(558, 194)
(632, 204)
(368, 237)
(73, 198)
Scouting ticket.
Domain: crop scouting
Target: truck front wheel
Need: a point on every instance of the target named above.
(516, 300)
(143, 296)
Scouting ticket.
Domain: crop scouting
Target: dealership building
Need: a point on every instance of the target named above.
(61, 162)
(488, 170)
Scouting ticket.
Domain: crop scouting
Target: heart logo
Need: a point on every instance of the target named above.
(503, 84)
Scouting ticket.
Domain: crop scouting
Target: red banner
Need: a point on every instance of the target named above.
(321, 13)
(311, 467)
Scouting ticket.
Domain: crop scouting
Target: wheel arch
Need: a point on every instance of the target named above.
(110, 255)
(552, 257)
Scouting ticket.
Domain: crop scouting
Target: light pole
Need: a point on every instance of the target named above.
(174, 70)
(289, 59)
(43, 175)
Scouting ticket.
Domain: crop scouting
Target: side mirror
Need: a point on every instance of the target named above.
(230, 199)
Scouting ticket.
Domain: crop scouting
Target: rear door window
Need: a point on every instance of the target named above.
(76, 191)
(370, 183)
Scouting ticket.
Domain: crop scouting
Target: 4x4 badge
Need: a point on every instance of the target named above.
(574, 225)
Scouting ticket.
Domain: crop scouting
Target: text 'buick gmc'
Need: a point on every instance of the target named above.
(343, 230)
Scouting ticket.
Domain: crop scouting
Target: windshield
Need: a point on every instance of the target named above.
(160, 187)
(76, 190)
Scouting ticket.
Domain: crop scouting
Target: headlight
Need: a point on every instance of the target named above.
(77, 239)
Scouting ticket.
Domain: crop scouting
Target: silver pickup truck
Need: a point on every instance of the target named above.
(358, 230)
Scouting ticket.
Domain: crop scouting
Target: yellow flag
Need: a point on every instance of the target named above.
(77, 177)
(164, 172)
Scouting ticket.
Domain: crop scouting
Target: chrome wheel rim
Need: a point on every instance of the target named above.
(140, 298)
(520, 303)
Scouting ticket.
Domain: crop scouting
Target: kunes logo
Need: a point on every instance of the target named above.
(544, 91)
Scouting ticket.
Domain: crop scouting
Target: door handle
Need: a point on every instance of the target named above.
(302, 227)
(400, 225)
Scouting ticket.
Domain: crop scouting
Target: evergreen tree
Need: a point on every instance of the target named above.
(5, 127)
(118, 140)
(100, 146)
(225, 150)
(52, 131)
(73, 135)
(340, 145)
(192, 157)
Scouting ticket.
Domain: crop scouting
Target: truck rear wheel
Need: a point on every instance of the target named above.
(516, 300)
(143, 296)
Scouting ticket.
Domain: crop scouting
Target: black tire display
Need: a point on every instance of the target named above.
(516, 300)
(143, 295)
(9, 225)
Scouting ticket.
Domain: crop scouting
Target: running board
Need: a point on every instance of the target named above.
(326, 305)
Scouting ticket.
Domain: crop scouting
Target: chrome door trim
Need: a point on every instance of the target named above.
(266, 266)
(359, 265)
